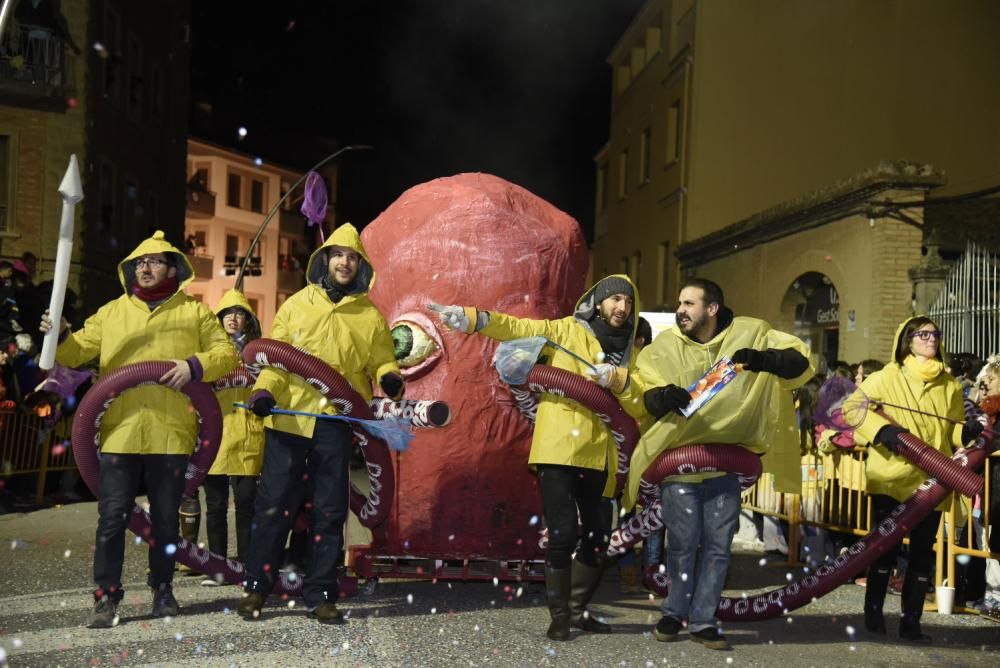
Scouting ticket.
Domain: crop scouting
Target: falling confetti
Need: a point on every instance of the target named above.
(533, 521)
(963, 559)
(409, 598)
(762, 562)
(850, 631)
(67, 554)
(170, 549)
(242, 132)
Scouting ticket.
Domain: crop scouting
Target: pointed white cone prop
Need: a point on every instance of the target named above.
(71, 193)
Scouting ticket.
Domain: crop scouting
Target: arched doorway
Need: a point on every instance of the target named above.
(812, 300)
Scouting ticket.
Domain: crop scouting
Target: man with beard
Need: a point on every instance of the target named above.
(571, 449)
(754, 411)
(149, 432)
(333, 320)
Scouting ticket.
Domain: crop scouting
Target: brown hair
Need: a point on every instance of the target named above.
(903, 342)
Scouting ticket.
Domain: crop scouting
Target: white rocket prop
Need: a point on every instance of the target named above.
(71, 193)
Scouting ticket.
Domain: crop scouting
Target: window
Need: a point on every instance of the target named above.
(663, 270)
(6, 183)
(232, 247)
(152, 211)
(257, 196)
(156, 91)
(106, 215)
(602, 188)
(233, 190)
(644, 157)
(135, 81)
(674, 133)
(110, 55)
(623, 174)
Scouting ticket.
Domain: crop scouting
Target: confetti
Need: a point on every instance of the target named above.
(170, 549)
(67, 554)
(409, 598)
(850, 631)
(762, 562)
(241, 132)
(533, 521)
(963, 559)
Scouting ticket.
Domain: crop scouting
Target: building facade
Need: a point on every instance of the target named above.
(229, 195)
(106, 80)
(807, 136)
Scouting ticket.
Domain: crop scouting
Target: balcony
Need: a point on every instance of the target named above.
(200, 203)
(203, 266)
(35, 71)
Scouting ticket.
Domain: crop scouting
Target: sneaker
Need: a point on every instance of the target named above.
(164, 603)
(327, 614)
(711, 638)
(210, 582)
(250, 605)
(105, 614)
(666, 629)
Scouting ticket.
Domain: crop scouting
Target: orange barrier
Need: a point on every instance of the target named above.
(26, 447)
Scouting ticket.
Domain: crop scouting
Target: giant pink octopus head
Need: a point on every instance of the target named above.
(465, 490)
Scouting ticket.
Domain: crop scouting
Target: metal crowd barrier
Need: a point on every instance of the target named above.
(26, 447)
(971, 517)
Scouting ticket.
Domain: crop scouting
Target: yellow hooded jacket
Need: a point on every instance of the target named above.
(891, 474)
(242, 448)
(351, 336)
(755, 410)
(151, 419)
(565, 432)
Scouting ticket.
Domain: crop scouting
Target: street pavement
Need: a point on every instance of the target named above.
(45, 600)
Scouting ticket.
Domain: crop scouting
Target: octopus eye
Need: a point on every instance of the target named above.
(412, 344)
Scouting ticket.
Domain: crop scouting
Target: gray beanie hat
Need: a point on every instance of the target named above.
(612, 285)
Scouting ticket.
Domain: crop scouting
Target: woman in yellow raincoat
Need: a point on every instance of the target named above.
(571, 449)
(241, 453)
(916, 379)
(149, 432)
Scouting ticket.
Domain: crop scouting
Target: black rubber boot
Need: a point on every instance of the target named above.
(914, 589)
(875, 590)
(584, 583)
(557, 584)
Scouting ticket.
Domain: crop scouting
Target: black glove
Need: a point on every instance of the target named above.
(971, 430)
(392, 386)
(889, 437)
(262, 405)
(662, 400)
(784, 363)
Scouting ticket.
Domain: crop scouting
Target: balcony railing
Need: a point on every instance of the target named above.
(35, 70)
(200, 203)
(203, 266)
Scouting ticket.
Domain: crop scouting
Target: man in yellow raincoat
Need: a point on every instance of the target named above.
(571, 449)
(148, 432)
(754, 411)
(241, 452)
(333, 320)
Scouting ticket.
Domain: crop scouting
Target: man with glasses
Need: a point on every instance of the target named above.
(148, 432)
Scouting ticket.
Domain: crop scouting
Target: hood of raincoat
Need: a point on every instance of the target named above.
(899, 346)
(587, 309)
(155, 244)
(755, 410)
(235, 298)
(348, 237)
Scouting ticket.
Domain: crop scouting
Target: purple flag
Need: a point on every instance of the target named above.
(315, 200)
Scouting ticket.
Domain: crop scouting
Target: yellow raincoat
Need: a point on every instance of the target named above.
(755, 410)
(891, 474)
(351, 336)
(242, 448)
(565, 432)
(151, 419)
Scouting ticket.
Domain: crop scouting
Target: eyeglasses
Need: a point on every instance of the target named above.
(151, 262)
(927, 335)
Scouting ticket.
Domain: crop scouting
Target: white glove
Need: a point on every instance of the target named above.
(602, 373)
(453, 317)
(610, 376)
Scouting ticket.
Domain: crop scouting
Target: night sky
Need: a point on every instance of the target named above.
(517, 88)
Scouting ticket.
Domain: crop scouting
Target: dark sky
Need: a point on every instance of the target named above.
(517, 88)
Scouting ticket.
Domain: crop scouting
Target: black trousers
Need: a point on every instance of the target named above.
(322, 464)
(120, 477)
(569, 492)
(217, 513)
(922, 538)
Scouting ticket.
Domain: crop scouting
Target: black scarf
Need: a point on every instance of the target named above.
(613, 340)
(334, 290)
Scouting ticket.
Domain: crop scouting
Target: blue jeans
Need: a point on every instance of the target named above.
(705, 514)
(652, 549)
(291, 462)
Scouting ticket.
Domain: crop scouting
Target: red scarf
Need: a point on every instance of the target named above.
(158, 292)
